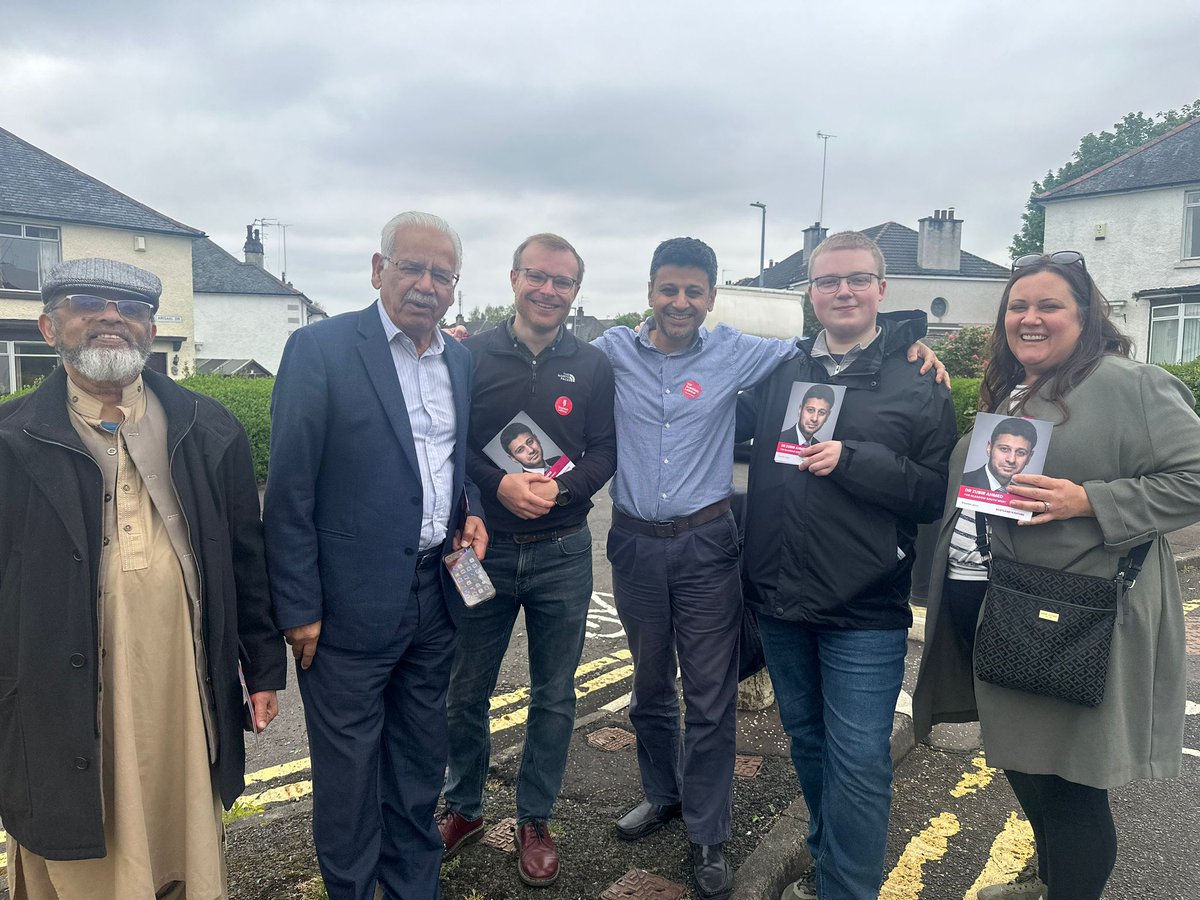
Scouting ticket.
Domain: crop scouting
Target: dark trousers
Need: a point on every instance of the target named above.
(962, 600)
(1074, 833)
(682, 595)
(377, 739)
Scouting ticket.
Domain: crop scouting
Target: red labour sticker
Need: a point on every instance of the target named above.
(563, 406)
(691, 389)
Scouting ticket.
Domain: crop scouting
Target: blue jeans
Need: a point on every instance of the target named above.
(552, 581)
(837, 692)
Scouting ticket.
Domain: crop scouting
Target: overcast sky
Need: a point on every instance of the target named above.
(616, 124)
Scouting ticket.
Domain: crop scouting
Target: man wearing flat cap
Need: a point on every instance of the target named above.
(133, 588)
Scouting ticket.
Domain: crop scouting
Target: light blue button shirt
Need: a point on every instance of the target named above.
(675, 413)
(429, 398)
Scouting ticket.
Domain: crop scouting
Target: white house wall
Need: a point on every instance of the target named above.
(1141, 249)
(970, 301)
(245, 326)
(762, 311)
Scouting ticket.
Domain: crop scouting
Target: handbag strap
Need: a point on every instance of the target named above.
(1127, 569)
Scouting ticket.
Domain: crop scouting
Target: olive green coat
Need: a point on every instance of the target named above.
(1133, 442)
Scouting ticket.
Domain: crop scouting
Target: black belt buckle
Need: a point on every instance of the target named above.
(664, 529)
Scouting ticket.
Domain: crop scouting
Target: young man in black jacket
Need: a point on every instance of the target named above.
(829, 551)
(540, 556)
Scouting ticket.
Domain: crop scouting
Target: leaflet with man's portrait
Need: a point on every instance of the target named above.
(522, 446)
(809, 418)
(1001, 447)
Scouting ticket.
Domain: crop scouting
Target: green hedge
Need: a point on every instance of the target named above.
(247, 398)
(250, 400)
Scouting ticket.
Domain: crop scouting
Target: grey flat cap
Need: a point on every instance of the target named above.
(107, 276)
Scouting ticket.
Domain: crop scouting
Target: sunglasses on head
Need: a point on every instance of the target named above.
(1062, 257)
(91, 305)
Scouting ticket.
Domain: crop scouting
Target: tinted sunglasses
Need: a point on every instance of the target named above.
(1062, 257)
(91, 305)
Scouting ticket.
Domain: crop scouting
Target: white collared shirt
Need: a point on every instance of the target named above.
(429, 398)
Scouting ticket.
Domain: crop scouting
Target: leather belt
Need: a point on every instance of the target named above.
(534, 537)
(429, 557)
(671, 527)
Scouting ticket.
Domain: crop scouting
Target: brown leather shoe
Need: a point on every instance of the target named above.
(457, 832)
(537, 860)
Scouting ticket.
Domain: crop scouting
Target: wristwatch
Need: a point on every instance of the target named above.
(564, 496)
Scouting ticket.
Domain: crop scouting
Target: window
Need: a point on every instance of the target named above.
(1175, 333)
(1191, 224)
(26, 253)
(22, 363)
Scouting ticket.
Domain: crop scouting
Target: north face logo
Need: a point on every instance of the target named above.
(567, 376)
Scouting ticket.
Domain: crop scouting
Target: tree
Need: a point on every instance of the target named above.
(631, 319)
(1094, 151)
(491, 316)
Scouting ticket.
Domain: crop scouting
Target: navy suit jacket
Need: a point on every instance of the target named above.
(342, 515)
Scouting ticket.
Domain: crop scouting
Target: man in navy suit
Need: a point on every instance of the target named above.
(367, 492)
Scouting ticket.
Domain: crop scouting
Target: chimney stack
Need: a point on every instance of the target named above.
(253, 247)
(939, 242)
(813, 235)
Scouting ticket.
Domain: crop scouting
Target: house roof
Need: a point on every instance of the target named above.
(1150, 293)
(214, 271)
(899, 246)
(37, 185)
(1169, 159)
(245, 367)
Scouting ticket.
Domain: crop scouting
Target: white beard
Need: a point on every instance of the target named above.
(107, 364)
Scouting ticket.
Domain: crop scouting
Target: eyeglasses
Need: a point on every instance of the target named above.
(415, 270)
(562, 284)
(1062, 257)
(859, 281)
(91, 305)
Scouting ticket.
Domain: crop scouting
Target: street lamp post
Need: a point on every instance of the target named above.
(762, 244)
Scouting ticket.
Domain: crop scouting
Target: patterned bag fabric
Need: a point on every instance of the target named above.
(1047, 632)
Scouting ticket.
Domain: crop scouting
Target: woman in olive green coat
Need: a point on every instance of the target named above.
(1122, 467)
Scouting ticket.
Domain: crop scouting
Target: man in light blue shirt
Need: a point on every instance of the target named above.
(673, 546)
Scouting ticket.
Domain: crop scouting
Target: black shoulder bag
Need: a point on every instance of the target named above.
(1048, 632)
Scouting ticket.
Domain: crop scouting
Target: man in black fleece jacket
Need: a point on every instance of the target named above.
(540, 555)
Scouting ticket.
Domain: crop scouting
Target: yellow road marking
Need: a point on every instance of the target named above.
(519, 716)
(905, 880)
(1190, 606)
(287, 768)
(281, 794)
(1011, 850)
(973, 782)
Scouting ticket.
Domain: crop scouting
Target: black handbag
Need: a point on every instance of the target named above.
(1048, 632)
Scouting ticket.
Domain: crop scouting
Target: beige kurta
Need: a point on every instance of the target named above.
(162, 814)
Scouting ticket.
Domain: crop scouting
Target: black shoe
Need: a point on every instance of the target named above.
(646, 818)
(711, 875)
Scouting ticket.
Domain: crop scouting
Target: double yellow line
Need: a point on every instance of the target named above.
(502, 722)
(1010, 851)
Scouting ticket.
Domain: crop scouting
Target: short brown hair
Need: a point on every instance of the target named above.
(849, 240)
(550, 242)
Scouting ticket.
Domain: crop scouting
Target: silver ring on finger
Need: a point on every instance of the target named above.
(1046, 505)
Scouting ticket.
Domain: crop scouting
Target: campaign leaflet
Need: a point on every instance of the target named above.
(809, 418)
(1001, 447)
(522, 446)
